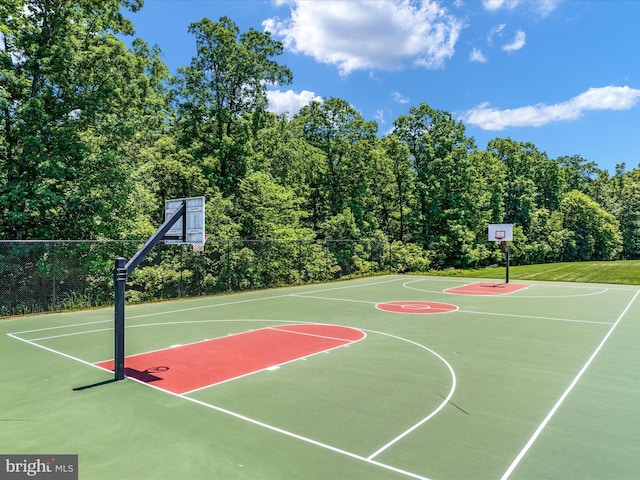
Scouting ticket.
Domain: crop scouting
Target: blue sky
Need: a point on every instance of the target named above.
(562, 74)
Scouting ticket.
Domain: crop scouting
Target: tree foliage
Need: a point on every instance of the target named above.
(95, 135)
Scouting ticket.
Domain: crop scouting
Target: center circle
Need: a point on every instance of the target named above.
(415, 307)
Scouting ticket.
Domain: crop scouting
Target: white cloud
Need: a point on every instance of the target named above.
(289, 102)
(497, 30)
(517, 43)
(540, 7)
(545, 7)
(476, 55)
(603, 98)
(366, 34)
(494, 5)
(398, 97)
(379, 117)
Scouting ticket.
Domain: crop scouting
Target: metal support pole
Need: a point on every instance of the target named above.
(507, 272)
(120, 280)
(120, 273)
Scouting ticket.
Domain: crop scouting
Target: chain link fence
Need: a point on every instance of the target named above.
(43, 276)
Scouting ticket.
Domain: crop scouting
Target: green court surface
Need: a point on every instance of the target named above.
(540, 382)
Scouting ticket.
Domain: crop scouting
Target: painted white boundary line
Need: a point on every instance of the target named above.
(566, 393)
(460, 310)
(534, 317)
(66, 355)
(296, 436)
(508, 294)
(540, 283)
(201, 307)
(242, 417)
(301, 295)
(307, 334)
(349, 342)
(355, 456)
(432, 414)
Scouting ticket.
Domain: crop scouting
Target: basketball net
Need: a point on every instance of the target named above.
(199, 247)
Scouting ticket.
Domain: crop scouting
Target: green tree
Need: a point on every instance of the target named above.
(576, 173)
(271, 212)
(280, 150)
(268, 211)
(551, 238)
(394, 181)
(520, 187)
(628, 212)
(448, 186)
(222, 96)
(346, 140)
(71, 97)
(595, 233)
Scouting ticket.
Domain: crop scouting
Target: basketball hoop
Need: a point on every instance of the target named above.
(499, 235)
(199, 247)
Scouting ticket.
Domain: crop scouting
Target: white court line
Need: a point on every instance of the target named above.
(566, 393)
(180, 310)
(242, 417)
(369, 459)
(463, 311)
(307, 334)
(292, 435)
(110, 329)
(66, 355)
(511, 294)
(302, 295)
(348, 342)
(61, 326)
(432, 414)
(534, 317)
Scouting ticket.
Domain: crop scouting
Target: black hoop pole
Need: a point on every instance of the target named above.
(506, 247)
(121, 271)
(120, 280)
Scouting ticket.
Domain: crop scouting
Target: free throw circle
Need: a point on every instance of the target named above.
(415, 307)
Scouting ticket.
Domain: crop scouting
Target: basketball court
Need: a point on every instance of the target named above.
(388, 377)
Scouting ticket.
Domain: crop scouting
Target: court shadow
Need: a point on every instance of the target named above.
(85, 387)
(144, 375)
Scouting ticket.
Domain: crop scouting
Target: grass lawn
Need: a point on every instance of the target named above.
(624, 272)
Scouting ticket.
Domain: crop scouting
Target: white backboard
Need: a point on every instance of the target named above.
(501, 232)
(195, 220)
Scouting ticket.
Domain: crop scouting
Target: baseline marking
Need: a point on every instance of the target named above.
(535, 317)
(566, 393)
(369, 459)
(179, 310)
(599, 292)
(487, 288)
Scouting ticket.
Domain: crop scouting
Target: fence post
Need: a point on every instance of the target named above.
(53, 275)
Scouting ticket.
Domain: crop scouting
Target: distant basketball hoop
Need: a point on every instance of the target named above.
(502, 233)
